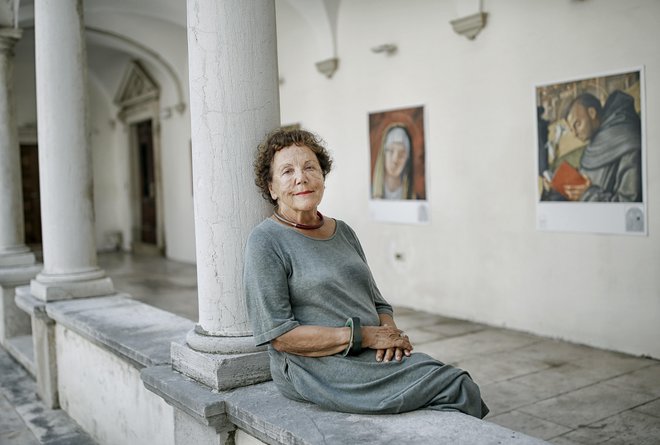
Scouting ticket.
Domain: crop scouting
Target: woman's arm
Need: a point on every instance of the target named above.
(320, 341)
(313, 341)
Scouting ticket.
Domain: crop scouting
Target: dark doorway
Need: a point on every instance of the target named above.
(147, 180)
(31, 196)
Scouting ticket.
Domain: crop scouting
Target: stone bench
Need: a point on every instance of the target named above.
(262, 412)
(123, 330)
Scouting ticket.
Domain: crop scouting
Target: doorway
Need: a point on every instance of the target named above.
(31, 195)
(146, 182)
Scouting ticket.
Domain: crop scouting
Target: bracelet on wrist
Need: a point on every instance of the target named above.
(355, 344)
(349, 324)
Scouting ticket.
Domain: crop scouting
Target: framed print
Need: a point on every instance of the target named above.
(397, 191)
(591, 168)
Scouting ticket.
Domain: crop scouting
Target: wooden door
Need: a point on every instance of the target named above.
(145, 147)
(31, 196)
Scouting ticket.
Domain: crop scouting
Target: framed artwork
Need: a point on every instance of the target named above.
(397, 174)
(591, 154)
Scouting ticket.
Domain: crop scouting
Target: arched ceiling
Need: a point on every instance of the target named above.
(115, 32)
(118, 31)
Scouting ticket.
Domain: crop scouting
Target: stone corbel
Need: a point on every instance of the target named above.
(328, 67)
(469, 26)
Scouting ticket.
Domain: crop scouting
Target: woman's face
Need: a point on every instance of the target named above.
(396, 157)
(298, 182)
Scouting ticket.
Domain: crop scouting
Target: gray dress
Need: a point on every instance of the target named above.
(292, 280)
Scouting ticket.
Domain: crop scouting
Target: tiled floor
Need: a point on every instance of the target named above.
(565, 393)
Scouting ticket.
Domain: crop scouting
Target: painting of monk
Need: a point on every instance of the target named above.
(590, 140)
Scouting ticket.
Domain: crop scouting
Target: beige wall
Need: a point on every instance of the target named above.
(481, 258)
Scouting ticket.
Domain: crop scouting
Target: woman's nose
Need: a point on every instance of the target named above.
(300, 176)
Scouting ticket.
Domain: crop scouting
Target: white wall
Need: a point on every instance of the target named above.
(162, 48)
(106, 397)
(481, 258)
(103, 143)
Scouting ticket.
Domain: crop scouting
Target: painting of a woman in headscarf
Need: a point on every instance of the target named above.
(393, 173)
(396, 139)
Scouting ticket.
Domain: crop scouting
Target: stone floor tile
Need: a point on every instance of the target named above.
(556, 352)
(608, 364)
(22, 437)
(643, 380)
(499, 366)
(562, 440)
(587, 405)
(441, 351)
(482, 342)
(560, 379)
(651, 408)
(530, 425)
(13, 430)
(626, 428)
(418, 336)
(156, 281)
(502, 397)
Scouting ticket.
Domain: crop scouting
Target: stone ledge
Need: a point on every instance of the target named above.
(22, 350)
(263, 412)
(135, 331)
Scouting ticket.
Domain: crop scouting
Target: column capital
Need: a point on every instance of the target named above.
(8, 38)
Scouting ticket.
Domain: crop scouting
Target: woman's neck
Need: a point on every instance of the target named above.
(300, 220)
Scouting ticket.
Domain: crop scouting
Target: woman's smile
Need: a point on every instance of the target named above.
(297, 183)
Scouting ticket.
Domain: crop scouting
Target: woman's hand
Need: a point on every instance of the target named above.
(399, 344)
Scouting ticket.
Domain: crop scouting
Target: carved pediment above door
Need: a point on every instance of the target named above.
(136, 88)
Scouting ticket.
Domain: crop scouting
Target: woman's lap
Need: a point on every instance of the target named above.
(361, 385)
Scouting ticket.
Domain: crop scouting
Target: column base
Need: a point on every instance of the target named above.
(19, 275)
(221, 371)
(63, 287)
(17, 259)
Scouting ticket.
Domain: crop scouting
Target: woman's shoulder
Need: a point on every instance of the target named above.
(264, 232)
(343, 227)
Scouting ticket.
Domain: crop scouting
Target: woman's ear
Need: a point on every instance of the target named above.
(272, 193)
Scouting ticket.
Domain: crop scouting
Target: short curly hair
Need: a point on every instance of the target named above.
(276, 141)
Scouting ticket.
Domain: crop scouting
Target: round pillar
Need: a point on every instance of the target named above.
(234, 103)
(13, 251)
(65, 161)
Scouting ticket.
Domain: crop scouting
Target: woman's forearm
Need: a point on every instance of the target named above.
(313, 341)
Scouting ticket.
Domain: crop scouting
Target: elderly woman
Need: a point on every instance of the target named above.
(311, 297)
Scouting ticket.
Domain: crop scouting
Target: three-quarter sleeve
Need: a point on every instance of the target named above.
(266, 287)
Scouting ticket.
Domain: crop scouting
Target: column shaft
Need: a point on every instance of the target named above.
(64, 155)
(13, 251)
(234, 101)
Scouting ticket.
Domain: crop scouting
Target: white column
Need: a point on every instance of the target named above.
(70, 268)
(17, 262)
(234, 102)
(13, 251)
